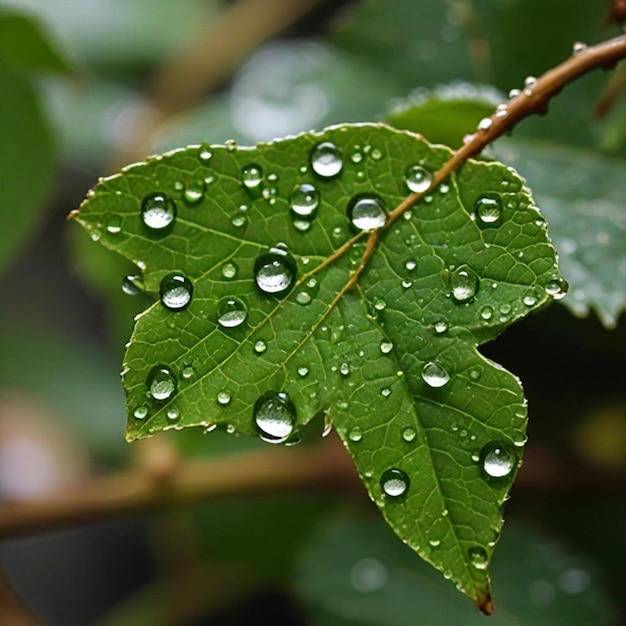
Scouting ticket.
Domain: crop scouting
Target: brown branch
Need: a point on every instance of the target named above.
(534, 98)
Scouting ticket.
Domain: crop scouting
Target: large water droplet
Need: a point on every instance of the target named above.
(326, 160)
(409, 434)
(417, 179)
(394, 482)
(275, 271)
(557, 288)
(161, 382)
(132, 285)
(478, 557)
(464, 284)
(223, 397)
(275, 416)
(158, 213)
(367, 212)
(355, 434)
(434, 375)
(252, 177)
(304, 200)
(231, 312)
(176, 291)
(488, 209)
(497, 460)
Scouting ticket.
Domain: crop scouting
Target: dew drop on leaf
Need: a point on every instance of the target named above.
(194, 193)
(223, 397)
(464, 284)
(488, 209)
(366, 212)
(304, 201)
(386, 346)
(231, 312)
(161, 382)
(229, 270)
(260, 346)
(132, 285)
(440, 326)
(113, 224)
(205, 155)
(275, 271)
(141, 412)
(176, 291)
(158, 212)
(303, 371)
(417, 179)
(326, 160)
(434, 375)
(409, 434)
(173, 415)
(557, 288)
(252, 177)
(187, 372)
(497, 460)
(394, 482)
(478, 557)
(486, 313)
(274, 416)
(355, 434)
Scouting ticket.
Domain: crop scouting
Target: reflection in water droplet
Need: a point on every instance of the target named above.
(368, 575)
(410, 264)
(478, 557)
(260, 347)
(176, 291)
(367, 212)
(205, 154)
(394, 482)
(113, 224)
(497, 460)
(488, 209)
(141, 412)
(409, 434)
(275, 416)
(386, 346)
(303, 297)
(464, 284)
(557, 288)
(173, 415)
(275, 271)
(252, 177)
(326, 160)
(229, 270)
(161, 382)
(158, 212)
(304, 201)
(231, 312)
(194, 192)
(530, 299)
(132, 285)
(223, 397)
(434, 375)
(355, 434)
(417, 179)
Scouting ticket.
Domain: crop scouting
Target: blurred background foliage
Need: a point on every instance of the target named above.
(89, 85)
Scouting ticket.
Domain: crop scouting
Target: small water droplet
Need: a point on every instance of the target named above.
(502, 110)
(410, 264)
(344, 369)
(229, 270)
(252, 178)
(578, 47)
(376, 154)
(434, 543)
(417, 179)
(478, 557)
(194, 192)
(434, 375)
(239, 221)
(367, 212)
(407, 284)
(355, 434)
(205, 154)
(275, 271)
(187, 372)
(530, 299)
(441, 326)
(497, 460)
(176, 291)
(530, 81)
(161, 382)
(231, 312)
(485, 124)
(303, 297)
(275, 416)
(486, 313)
(475, 373)
(158, 213)
(386, 346)
(409, 434)
(385, 392)
(379, 304)
(260, 347)
(557, 288)
(132, 285)
(394, 482)
(223, 397)
(304, 201)
(513, 93)
(464, 284)
(356, 157)
(488, 209)
(113, 224)
(326, 160)
(141, 412)
(173, 415)
(303, 371)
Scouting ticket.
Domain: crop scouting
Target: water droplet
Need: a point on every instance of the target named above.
(434, 375)
(304, 201)
(187, 372)
(380, 304)
(502, 110)
(376, 154)
(173, 415)
(260, 347)
(158, 213)
(578, 47)
(497, 460)
(407, 284)
(367, 212)
(475, 373)
(485, 124)
(355, 434)
(223, 397)
(530, 299)
(275, 416)
(486, 313)
(478, 557)
(231, 312)
(488, 208)
(239, 220)
(113, 224)
(394, 482)
(441, 326)
(368, 575)
(176, 291)
(326, 160)
(530, 81)
(303, 371)
(141, 412)
(513, 93)
(132, 285)
(385, 392)
(464, 284)
(356, 157)
(344, 369)
(410, 264)
(205, 154)
(386, 346)
(252, 177)
(409, 434)
(275, 271)
(194, 192)
(434, 543)
(229, 270)
(417, 179)
(557, 288)
(161, 382)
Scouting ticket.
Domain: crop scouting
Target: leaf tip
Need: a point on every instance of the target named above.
(485, 604)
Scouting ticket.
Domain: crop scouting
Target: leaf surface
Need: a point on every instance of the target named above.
(435, 429)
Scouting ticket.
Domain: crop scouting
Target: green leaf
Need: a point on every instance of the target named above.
(582, 194)
(353, 572)
(26, 161)
(26, 46)
(435, 429)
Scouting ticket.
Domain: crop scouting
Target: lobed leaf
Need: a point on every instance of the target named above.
(253, 335)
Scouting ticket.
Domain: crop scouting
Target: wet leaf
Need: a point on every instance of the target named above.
(251, 333)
